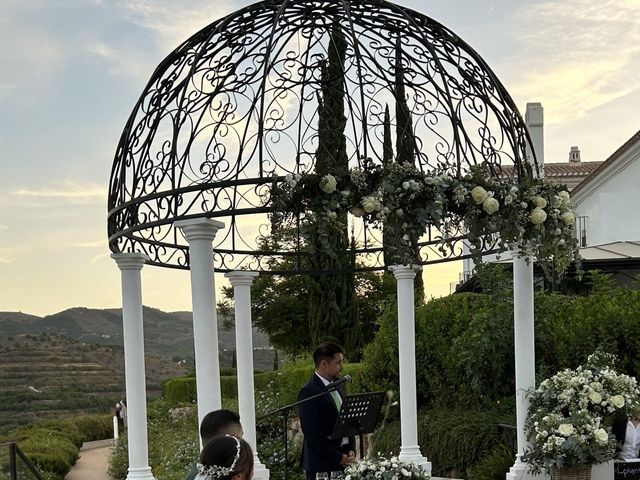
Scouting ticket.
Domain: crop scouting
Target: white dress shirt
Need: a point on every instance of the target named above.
(345, 440)
(631, 442)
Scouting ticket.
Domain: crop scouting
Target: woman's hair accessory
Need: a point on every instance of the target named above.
(206, 472)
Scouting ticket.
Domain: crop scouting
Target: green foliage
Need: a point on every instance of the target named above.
(177, 390)
(94, 427)
(464, 342)
(463, 351)
(454, 439)
(53, 445)
(495, 465)
(118, 459)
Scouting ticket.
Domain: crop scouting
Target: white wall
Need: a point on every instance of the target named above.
(612, 202)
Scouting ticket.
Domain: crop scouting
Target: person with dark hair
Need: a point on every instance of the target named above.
(216, 424)
(318, 416)
(627, 433)
(225, 458)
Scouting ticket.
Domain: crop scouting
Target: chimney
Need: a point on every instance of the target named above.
(534, 120)
(574, 155)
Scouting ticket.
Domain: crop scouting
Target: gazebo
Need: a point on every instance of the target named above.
(284, 89)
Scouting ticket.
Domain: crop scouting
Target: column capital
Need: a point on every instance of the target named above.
(130, 260)
(199, 228)
(405, 271)
(241, 277)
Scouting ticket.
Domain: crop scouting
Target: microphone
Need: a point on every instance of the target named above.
(340, 381)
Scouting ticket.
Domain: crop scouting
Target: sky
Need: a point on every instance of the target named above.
(71, 71)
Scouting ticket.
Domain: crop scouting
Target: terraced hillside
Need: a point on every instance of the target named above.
(49, 375)
(166, 334)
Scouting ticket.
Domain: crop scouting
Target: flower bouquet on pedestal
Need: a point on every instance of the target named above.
(570, 415)
(381, 468)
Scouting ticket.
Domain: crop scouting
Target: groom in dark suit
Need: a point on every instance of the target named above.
(318, 416)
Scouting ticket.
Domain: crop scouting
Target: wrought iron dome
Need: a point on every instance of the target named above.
(235, 108)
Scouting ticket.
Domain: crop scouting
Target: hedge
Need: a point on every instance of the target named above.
(287, 381)
(53, 445)
(464, 342)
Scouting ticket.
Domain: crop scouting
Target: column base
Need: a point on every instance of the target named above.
(143, 473)
(413, 455)
(520, 471)
(260, 472)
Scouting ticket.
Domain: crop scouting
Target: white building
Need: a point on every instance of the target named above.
(606, 201)
(605, 196)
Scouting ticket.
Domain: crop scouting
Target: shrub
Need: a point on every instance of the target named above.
(94, 427)
(495, 465)
(464, 342)
(454, 440)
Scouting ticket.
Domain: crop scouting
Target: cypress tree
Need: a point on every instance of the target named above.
(333, 308)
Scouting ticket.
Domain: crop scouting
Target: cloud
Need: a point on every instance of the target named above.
(101, 243)
(66, 192)
(173, 22)
(577, 54)
(7, 255)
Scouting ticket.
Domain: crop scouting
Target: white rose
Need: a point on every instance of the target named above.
(565, 429)
(540, 202)
(328, 184)
(368, 204)
(617, 401)
(479, 195)
(490, 205)
(602, 437)
(564, 196)
(357, 212)
(568, 218)
(332, 215)
(406, 185)
(508, 200)
(595, 397)
(537, 216)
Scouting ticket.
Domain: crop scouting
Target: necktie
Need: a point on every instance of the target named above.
(337, 399)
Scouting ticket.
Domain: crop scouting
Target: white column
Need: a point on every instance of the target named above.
(525, 359)
(130, 265)
(523, 309)
(200, 233)
(241, 282)
(409, 450)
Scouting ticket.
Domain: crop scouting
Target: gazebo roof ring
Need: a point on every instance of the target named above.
(236, 105)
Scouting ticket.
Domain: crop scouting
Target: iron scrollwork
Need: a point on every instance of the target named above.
(236, 105)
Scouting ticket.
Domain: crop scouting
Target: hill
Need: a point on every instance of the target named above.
(166, 334)
(50, 375)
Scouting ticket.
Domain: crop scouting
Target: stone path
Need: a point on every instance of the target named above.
(93, 462)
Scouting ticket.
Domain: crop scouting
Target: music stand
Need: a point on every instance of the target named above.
(359, 415)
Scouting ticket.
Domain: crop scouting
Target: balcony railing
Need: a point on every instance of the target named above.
(581, 230)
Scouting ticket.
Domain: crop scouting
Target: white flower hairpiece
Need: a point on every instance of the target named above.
(213, 472)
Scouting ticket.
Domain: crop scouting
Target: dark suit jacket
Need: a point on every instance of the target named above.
(317, 418)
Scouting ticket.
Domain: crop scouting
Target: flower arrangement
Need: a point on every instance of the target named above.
(570, 414)
(381, 468)
(533, 216)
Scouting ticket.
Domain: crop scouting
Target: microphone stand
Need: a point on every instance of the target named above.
(285, 415)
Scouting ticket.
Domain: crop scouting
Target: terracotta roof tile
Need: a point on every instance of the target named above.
(565, 169)
(570, 169)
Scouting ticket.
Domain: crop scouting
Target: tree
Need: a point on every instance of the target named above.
(281, 309)
(333, 306)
